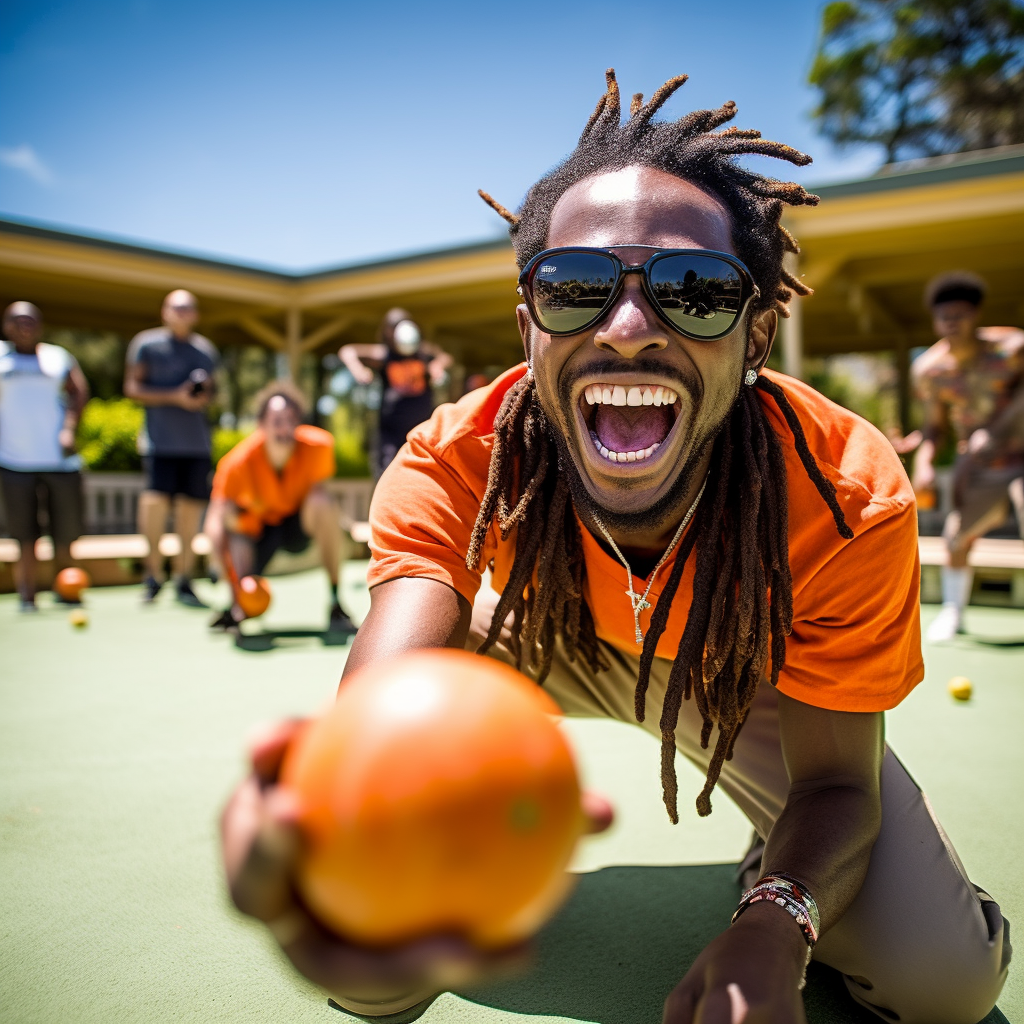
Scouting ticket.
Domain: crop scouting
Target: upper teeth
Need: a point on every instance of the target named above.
(616, 394)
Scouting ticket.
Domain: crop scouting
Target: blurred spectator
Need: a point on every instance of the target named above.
(971, 383)
(42, 394)
(268, 493)
(170, 371)
(474, 381)
(408, 366)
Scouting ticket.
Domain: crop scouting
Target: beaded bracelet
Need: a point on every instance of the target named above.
(792, 896)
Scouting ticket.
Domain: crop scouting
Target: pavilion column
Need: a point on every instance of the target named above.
(293, 341)
(792, 329)
(903, 379)
(793, 339)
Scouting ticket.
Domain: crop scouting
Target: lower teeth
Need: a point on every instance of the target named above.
(644, 453)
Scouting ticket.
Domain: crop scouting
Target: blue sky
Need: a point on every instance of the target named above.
(302, 134)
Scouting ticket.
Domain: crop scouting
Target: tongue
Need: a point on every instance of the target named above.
(631, 428)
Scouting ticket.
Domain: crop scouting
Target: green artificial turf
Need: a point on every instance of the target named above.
(119, 743)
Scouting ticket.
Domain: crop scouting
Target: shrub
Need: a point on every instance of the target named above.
(107, 435)
(350, 453)
(223, 440)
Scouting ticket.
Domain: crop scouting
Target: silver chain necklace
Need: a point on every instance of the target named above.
(639, 601)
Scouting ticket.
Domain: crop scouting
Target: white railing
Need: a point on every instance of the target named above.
(111, 501)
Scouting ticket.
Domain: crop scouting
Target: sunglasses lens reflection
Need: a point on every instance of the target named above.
(701, 295)
(571, 288)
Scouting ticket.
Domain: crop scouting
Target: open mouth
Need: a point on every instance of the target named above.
(628, 424)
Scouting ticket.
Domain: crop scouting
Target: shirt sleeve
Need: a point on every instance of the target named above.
(422, 518)
(856, 641)
(225, 481)
(136, 350)
(322, 464)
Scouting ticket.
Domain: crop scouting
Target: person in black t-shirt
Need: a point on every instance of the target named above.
(408, 366)
(170, 371)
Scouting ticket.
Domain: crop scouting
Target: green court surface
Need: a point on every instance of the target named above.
(119, 744)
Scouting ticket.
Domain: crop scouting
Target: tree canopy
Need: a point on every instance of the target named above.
(921, 77)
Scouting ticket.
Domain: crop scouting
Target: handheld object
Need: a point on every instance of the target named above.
(252, 593)
(436, 795)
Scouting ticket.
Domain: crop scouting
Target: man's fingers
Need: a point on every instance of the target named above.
(598, 811)
(261, 845)
(717, 1008)
(267, 745)
(737, 1003)
(441, 962)
(680, 1005)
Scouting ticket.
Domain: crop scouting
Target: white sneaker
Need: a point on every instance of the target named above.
(945, 625)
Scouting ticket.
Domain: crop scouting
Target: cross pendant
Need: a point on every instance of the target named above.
(637, 601)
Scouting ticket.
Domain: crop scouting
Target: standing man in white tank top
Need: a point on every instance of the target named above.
(42, 394)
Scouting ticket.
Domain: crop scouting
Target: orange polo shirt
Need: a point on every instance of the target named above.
(856, 641)
(263, 496)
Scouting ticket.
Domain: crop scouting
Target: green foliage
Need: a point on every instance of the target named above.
(348, 425)
(223, 440)
(99, 353)
(921, 77)
(107, 435)
(350, 453)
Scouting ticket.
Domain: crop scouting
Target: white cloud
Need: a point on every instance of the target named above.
(25, 159)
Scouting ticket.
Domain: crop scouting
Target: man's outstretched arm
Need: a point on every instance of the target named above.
(823, 838)
(406, 614)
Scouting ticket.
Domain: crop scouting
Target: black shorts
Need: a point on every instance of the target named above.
(26, 494)
(287, 534)
(188, 475)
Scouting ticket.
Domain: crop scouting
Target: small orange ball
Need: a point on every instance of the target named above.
(70, 583)
(253, 596)
(438, 795)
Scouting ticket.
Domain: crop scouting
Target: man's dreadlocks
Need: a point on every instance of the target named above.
(742, 606)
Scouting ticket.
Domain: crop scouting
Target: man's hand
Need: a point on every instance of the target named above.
(905, 443)
(261, 845)
(750, 974)
(924, 475)
(186, 398)
(979, 442)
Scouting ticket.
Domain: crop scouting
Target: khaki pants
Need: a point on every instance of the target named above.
(918, 944)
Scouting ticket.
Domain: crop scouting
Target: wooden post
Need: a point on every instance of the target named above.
(792, 329)
(293, 341)
(903, 381)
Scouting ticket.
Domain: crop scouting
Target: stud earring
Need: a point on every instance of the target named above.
(750, 377)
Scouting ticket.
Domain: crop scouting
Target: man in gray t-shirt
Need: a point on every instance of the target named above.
(170, 371)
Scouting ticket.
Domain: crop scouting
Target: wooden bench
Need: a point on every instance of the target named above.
(116, 559)
(998, 575)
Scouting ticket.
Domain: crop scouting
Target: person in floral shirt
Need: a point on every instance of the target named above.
(971, 382)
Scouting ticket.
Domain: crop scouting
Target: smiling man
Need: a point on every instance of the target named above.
(677, 537)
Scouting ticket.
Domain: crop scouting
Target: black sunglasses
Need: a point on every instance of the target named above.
(698, 292)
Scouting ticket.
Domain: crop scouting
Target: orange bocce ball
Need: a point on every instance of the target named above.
(69, 583)
(437, 795)
(253, 596)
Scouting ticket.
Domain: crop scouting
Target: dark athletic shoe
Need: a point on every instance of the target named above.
(150, 588)
(184, 594)
(225, 621)
(27, 606)
(339, 622)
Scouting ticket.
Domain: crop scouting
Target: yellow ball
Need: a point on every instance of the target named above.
(960, 688)
(78, 619)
